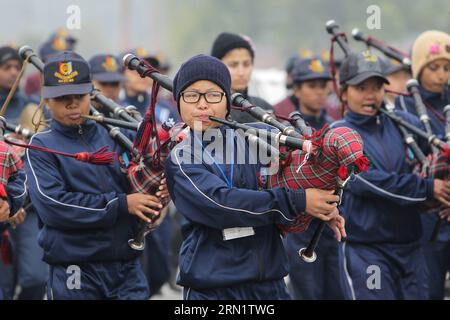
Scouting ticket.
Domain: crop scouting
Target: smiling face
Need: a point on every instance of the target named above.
(435, 75)
(197, 114)
(366, 97)
(67, 110)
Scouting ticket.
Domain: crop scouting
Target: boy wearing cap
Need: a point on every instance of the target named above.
(431, 67)
(85, 212)
(238, 54)
(231, 247)
(107, 75)
(310, 84)
(382, 257)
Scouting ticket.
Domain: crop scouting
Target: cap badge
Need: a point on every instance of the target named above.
(110, 64)
(316, 66)
(66, 74)
(369, 57)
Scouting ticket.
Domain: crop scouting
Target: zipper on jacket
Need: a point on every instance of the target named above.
(379, 139)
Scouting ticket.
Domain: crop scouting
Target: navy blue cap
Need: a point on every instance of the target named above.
(391, 66)
(66, 73)
(357, 67)
(310, 69)
(106, 68)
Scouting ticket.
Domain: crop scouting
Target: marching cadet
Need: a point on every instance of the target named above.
(238, 54)
(86, 215)
(382, 257)
(312, 281)
(431, 68)
(231, 245)
(107, 75)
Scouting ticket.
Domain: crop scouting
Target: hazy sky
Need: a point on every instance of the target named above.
(116, 25)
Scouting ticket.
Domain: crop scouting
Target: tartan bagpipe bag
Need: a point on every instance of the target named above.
(339, 153)
(145, 174)
(10, 163)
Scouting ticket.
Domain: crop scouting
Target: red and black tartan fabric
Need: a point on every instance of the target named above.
(145, 178)
(339, 148)
(439, 166)
(10, 162)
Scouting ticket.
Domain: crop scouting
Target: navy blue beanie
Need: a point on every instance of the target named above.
(202, 67)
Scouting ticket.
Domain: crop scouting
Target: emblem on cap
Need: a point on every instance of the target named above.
(316, 66)
(66, 73)
(110, 64)
(141, 52)
(368, 56)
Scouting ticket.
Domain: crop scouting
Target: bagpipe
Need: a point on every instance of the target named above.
(325, 159)
(388, 50)
(435, 164)
(147, 153)
(301, 144)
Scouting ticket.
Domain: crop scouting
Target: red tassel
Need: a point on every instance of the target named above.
(362, 163)
(6, 248)
(148, 125)
(3, 194)
(446, 152)
(101, 156)
(342, 173)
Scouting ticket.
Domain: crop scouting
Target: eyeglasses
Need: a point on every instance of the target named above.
(210, 96)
